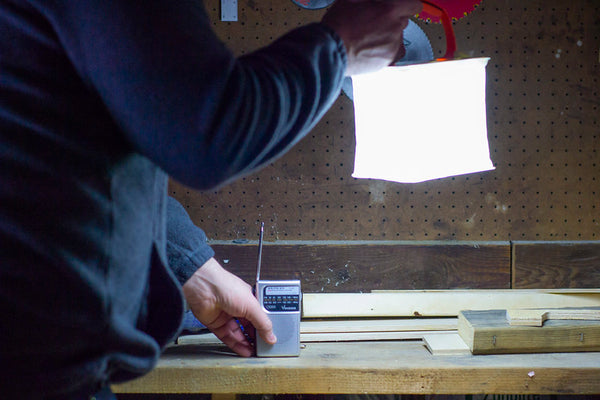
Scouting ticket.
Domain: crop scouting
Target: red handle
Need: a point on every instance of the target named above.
(438, 11)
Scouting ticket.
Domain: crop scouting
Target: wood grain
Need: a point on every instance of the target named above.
(368, 367)
(556, 265)
(347, 267)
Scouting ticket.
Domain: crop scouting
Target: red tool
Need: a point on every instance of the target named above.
(438, 11)
(456, 9)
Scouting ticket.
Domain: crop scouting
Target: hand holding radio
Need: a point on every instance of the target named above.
(217, 298)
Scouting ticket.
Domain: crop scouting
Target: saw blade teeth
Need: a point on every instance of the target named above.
(456, 9)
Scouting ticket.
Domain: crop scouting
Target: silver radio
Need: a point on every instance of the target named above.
(282, 301)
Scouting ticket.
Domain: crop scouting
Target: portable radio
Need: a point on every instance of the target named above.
(281, 300)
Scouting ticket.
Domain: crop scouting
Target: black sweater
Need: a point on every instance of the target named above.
(97, 99)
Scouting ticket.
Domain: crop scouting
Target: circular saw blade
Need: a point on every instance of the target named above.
(418, 50)
(456, 9)
(313, 4)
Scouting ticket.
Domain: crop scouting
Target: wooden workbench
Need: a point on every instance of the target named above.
(368, 367)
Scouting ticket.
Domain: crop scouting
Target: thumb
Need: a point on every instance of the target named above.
(261, 322)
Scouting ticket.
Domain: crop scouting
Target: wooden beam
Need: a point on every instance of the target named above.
(327, 266)
(488, 332)
(556, 265)
(439, 303)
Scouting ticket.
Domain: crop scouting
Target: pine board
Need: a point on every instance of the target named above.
(355, 330)
(378, 325)
(446, 344)
(438, 303)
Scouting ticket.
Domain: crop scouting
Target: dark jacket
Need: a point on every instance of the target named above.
(97, 99)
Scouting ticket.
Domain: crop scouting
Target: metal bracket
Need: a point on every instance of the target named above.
(229, 10)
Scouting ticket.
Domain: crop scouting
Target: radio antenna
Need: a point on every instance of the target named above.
(260, 241)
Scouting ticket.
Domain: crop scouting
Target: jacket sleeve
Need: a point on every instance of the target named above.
(183, 99)
(187, 249)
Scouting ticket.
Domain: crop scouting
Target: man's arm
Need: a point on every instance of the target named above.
(183, 100)
(216, 297)
(187, 249)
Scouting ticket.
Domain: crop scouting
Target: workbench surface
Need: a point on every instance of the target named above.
(392, 367)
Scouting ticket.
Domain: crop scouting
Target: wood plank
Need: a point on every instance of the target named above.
(438, 303)
(368, 367)
(410, 333)
(346, 267)
(556, 265)
(367, 336)
(446, 344)
(378, 325)
(488, 332)
(537, 317)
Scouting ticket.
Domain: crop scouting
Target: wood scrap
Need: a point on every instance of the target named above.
(377, 325)
(367, 336)
(488, 332)
(446, 344)
(536, 316)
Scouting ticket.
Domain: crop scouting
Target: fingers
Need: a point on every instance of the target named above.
(371, 30)
(216, 296)
(228, 330)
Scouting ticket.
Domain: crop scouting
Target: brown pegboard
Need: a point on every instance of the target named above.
(543, 130)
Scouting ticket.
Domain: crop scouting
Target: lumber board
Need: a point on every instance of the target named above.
(438, 303)
(378, 325)
(211, 339)
(354, 330)
(367, 336)
(386, 367)
(489, 332)
(556, 265)
(446, 344)
(537, 317)
(336, 267)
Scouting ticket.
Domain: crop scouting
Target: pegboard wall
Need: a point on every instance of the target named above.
(543, 129)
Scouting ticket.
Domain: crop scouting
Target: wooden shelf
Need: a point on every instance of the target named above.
(385, 367)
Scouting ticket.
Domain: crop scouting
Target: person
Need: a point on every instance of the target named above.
(100, 101)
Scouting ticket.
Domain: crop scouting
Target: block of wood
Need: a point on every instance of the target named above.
(489, 332)
(537, 316)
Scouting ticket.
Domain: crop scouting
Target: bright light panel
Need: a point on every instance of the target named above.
(421, 122)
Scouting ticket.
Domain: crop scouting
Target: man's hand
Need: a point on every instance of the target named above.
(371, 30)
(217, 298)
